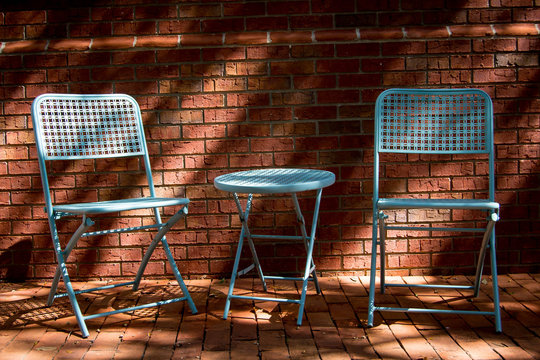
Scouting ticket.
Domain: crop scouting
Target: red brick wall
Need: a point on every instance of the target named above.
(231, 85)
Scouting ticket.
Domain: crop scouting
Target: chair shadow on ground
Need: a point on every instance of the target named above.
(29, 306)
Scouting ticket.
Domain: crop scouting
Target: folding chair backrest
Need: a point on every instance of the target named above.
(87, 126)
(76, 127)
(435, 121)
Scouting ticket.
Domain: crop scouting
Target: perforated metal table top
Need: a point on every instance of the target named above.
(274, 181)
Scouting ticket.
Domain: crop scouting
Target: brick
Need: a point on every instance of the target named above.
(246, 38)
(358, 49)
(401, 79)
(355, 20)
(25, 17)
(397, 48)
(377, 65)
(266, 23)
(423, 32)
(338, 96)
(156, 41)
(310, 21)
(249, 9)
(243, 68)
(496, 75)
(289, 67)
(274, 144)
(178, 26)
(471, 30)
(290, 7)
(487, 16)
(494, 45)
(113, 43)
(515, 29)
(268, 52)
(312, 82)
(474, 61)
(382, 34)
(450, 77)
(69, 44)
(199, 10)
(341, 66)
(449, 47)
(336, 35)
(290, 37)
(357, 80)
(401, 18)
(270, 114)
(222, 25)
(522, 60)
(202, 101)
(234, 84)
(24, 46)
(223, 54)
(248, 99)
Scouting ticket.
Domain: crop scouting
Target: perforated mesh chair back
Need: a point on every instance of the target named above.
(434, 121)
(83, 126)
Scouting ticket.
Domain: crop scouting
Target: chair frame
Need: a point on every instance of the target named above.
(80, 127)
(408, 135)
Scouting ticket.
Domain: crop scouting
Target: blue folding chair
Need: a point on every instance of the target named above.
(447, 121)
(81, 127)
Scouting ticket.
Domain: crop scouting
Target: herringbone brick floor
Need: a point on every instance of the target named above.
(333, 326)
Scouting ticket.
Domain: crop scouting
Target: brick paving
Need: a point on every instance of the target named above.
(333, 325)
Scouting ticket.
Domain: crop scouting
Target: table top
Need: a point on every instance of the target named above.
(274, 181)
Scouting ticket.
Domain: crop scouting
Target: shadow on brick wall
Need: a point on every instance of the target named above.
(15, 261)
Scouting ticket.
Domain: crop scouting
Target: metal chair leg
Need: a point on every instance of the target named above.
(178, 276)
(85, 224)
(495, 284)
(483, 249)
(382, 246)
(67, 281)
(159, 235)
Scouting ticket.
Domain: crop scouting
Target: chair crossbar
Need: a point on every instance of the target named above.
(134, 308)
(431, 286)
(282, 237)
(246, 270)
(260, 298)
(434, 311)
(122, 230)
(99, 288)
(288, 278)
(425, 228)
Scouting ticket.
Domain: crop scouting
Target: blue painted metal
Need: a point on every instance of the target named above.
(434, 121)
(80, 127)
(275, 181)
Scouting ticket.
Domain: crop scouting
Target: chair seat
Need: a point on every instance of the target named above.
(102, 207)
(390, 203)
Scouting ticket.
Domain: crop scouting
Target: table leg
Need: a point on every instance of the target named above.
(309, 242)
(244, 215)
(309, 260)
(302, 223)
